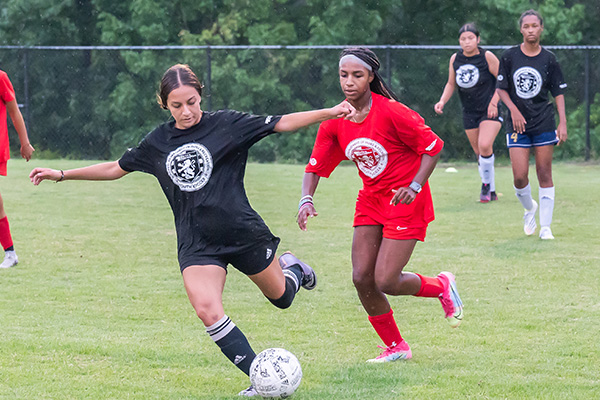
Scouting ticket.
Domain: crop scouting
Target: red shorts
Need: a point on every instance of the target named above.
(400, 222)
(3, 168)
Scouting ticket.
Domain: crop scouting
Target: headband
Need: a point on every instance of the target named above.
(352, 57)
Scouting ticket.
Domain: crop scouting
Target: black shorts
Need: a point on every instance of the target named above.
(248, 262)
(472, 120)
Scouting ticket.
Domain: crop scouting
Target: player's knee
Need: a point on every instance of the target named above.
(362, 281)
(207, 313)
(521, 181)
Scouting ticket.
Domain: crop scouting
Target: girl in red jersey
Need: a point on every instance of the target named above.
(395, 153)
(8, 102)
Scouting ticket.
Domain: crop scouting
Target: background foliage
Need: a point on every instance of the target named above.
(93, 104)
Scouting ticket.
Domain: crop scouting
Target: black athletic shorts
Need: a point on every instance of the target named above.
(249, 262)
(472, 120)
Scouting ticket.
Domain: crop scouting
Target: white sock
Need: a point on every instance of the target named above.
(546, 205)
(480, 168)
(524, 196)
(486, 170)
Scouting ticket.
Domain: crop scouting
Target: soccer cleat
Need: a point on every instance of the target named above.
(493, 196)
(485, 195)
(546, 233)
(400, 351)
(309, 278)
(529, 224)
(451, 302)
(250, 392)
(10, 259)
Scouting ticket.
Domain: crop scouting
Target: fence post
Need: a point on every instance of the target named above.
(26, 88)
(588, 143)
(388, 67)
(208, 79)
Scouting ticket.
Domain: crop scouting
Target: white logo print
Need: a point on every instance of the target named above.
(238, 359)
(467, 76)
(369, 155)
(528, 82)
(190, 166)
(269, 252)
(268, 119)
(431, 146)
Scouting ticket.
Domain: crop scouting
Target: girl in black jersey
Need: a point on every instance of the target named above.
(526, 74)
(474, 71)
(199, 160)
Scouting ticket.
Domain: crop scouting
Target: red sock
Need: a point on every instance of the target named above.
(5, 238)
(386, 328)
(430, 287)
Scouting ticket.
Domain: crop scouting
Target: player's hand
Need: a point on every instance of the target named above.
(492, 111)
(27, 151)
(561, 132)
(404, 195)
(307, 210)
(439, 108)
(518, 121)
(37, 175)
(343, 110)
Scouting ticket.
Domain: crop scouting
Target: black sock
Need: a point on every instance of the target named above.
(11, 248)
(232, 343)
(291, 288)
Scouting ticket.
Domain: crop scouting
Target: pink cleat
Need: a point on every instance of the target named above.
(451, 302)
(395, 352)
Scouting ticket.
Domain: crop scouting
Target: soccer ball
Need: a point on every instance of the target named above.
(275, 373)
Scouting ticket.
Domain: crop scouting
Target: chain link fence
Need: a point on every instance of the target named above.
(94, 102)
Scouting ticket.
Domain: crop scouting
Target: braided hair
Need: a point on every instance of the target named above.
(378, 85)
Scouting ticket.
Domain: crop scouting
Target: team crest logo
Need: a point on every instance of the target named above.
(467, 76)
(370, 156)
(190, 166)
(528, 82)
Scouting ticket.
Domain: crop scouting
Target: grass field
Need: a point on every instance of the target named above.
(96, 307)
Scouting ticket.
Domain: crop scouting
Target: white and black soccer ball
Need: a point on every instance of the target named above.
(275, 373)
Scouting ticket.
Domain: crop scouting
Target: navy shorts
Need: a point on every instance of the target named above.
(249, 262)
(472, 120)
(527, 140)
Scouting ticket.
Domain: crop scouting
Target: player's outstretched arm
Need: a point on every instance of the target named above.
(295, 121)
(98, 172)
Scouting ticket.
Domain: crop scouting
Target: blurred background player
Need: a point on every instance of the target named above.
(199, 159)
(395, 153)
(474, 71)
(527, 73)
(8, 102)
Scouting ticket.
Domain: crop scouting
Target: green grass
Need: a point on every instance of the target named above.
(96, 307)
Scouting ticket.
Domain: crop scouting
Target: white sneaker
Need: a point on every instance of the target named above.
(10, 259)
(546, 233)
(529, 224)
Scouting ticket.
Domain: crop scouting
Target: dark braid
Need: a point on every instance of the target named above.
(378, 85)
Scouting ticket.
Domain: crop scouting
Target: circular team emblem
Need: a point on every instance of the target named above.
(467, 76)
(370, 156)
(528, 82)
(190, 166)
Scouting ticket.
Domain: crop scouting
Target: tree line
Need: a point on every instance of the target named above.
(94, 104)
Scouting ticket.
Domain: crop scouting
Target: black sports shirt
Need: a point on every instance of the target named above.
(476, 84)
(528, 81)
(201, 171)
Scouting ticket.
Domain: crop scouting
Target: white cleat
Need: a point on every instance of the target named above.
(250, 392)
(10, 259)
(529, 224)
(546, 233)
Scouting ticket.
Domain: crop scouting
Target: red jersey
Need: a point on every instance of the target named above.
(386, 147)
(7, 94)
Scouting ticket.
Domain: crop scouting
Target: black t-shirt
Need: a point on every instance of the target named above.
(528, 81)
(476, 84)
(201, 171)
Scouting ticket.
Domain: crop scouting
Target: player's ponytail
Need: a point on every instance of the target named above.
(378, 85)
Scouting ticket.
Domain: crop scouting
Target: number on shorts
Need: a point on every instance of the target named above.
(514, 136)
